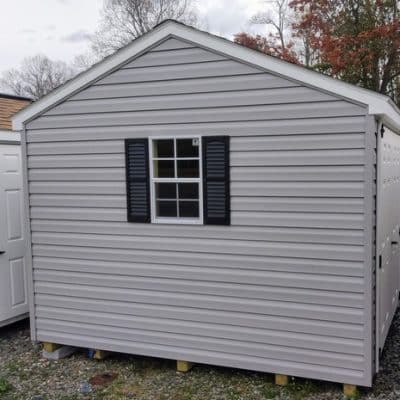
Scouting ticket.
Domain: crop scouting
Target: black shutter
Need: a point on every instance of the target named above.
(137, 179)
(216, 185)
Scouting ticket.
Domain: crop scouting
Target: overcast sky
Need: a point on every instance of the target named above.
(61, 29)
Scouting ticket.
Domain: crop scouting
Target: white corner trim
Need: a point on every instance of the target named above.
(378, 104)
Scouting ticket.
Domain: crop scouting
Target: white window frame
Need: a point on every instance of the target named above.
(154, 180)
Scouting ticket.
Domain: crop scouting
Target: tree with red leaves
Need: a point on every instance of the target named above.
(268, 46)
(357, 41)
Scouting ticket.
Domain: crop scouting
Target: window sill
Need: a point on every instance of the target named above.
(177, 221)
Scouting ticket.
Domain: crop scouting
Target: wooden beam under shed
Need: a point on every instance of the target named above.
(350, 391)
(183, 366)
(281, 380)
(50, 347)
(101, 354)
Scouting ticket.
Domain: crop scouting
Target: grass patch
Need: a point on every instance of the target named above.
(5, 386)
(299, 390)
(271, 391)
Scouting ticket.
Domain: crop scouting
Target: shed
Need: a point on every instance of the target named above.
(192, 199)
(13, 294)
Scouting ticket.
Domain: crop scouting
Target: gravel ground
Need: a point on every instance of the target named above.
(24, 375)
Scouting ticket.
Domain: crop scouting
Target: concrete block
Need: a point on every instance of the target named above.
(60, 353)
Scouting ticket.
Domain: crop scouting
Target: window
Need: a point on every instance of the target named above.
(176, 180)
(182, 180)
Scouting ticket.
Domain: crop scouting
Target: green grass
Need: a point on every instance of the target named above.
(299, 390)
(271, 391)
(5, 386)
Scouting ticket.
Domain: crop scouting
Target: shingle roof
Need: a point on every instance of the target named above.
(9, 105)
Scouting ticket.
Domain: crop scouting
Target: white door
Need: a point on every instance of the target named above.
(13, 292)
(388, 238)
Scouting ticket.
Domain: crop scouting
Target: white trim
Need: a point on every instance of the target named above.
(153, 180)
(378, 104)
(11, 137)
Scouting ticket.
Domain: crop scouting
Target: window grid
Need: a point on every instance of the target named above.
(176, 180)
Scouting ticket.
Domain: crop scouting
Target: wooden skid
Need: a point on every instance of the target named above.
(50, 347)
(101, 354)
(281, 380)
(183, 366)
(350, 391)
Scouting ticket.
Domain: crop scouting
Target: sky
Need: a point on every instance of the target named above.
(61, 29)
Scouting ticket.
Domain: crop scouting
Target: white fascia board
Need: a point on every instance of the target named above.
(91, 75)
(7, 136)
(378, 104)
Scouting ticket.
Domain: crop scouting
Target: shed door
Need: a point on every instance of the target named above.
(13, 293)
(388, 226)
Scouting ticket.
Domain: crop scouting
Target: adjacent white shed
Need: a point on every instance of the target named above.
(193, 199)
(13, 292)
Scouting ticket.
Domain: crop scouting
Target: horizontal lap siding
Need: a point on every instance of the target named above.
(280, 290)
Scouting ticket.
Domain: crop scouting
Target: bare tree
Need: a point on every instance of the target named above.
(283, 31)
(277, 16)
(124, 20)
(84, 61)
(36, 77)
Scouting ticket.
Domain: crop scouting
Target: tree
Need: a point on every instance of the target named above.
(124, 20)
(267, 46)
(356, 40)
(36, 77)
(277, 17)
(278, 42)
(84, 61)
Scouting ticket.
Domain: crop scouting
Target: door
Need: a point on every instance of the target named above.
(388, 225)
(13, 292)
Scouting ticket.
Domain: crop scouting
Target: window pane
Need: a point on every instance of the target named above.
(188, 190)
(166, 208)
(164, 169)
(165, 190)
(188, 168)
(163, 148)
(189, 209)
(188, 147)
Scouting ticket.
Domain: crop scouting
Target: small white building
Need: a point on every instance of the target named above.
(13, 291)
(193, 199)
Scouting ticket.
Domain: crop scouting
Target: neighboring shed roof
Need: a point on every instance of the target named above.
(378, 104)
(9, 105)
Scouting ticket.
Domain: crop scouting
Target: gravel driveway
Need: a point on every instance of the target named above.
(25, 376)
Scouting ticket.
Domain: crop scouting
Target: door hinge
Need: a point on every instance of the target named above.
(380, 262)
(382, 131)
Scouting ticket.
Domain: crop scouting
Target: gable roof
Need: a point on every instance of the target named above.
(378, 104)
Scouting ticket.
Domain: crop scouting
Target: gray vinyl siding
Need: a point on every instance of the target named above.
(282, 290)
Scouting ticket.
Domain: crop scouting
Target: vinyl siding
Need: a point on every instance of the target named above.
(283, 289)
